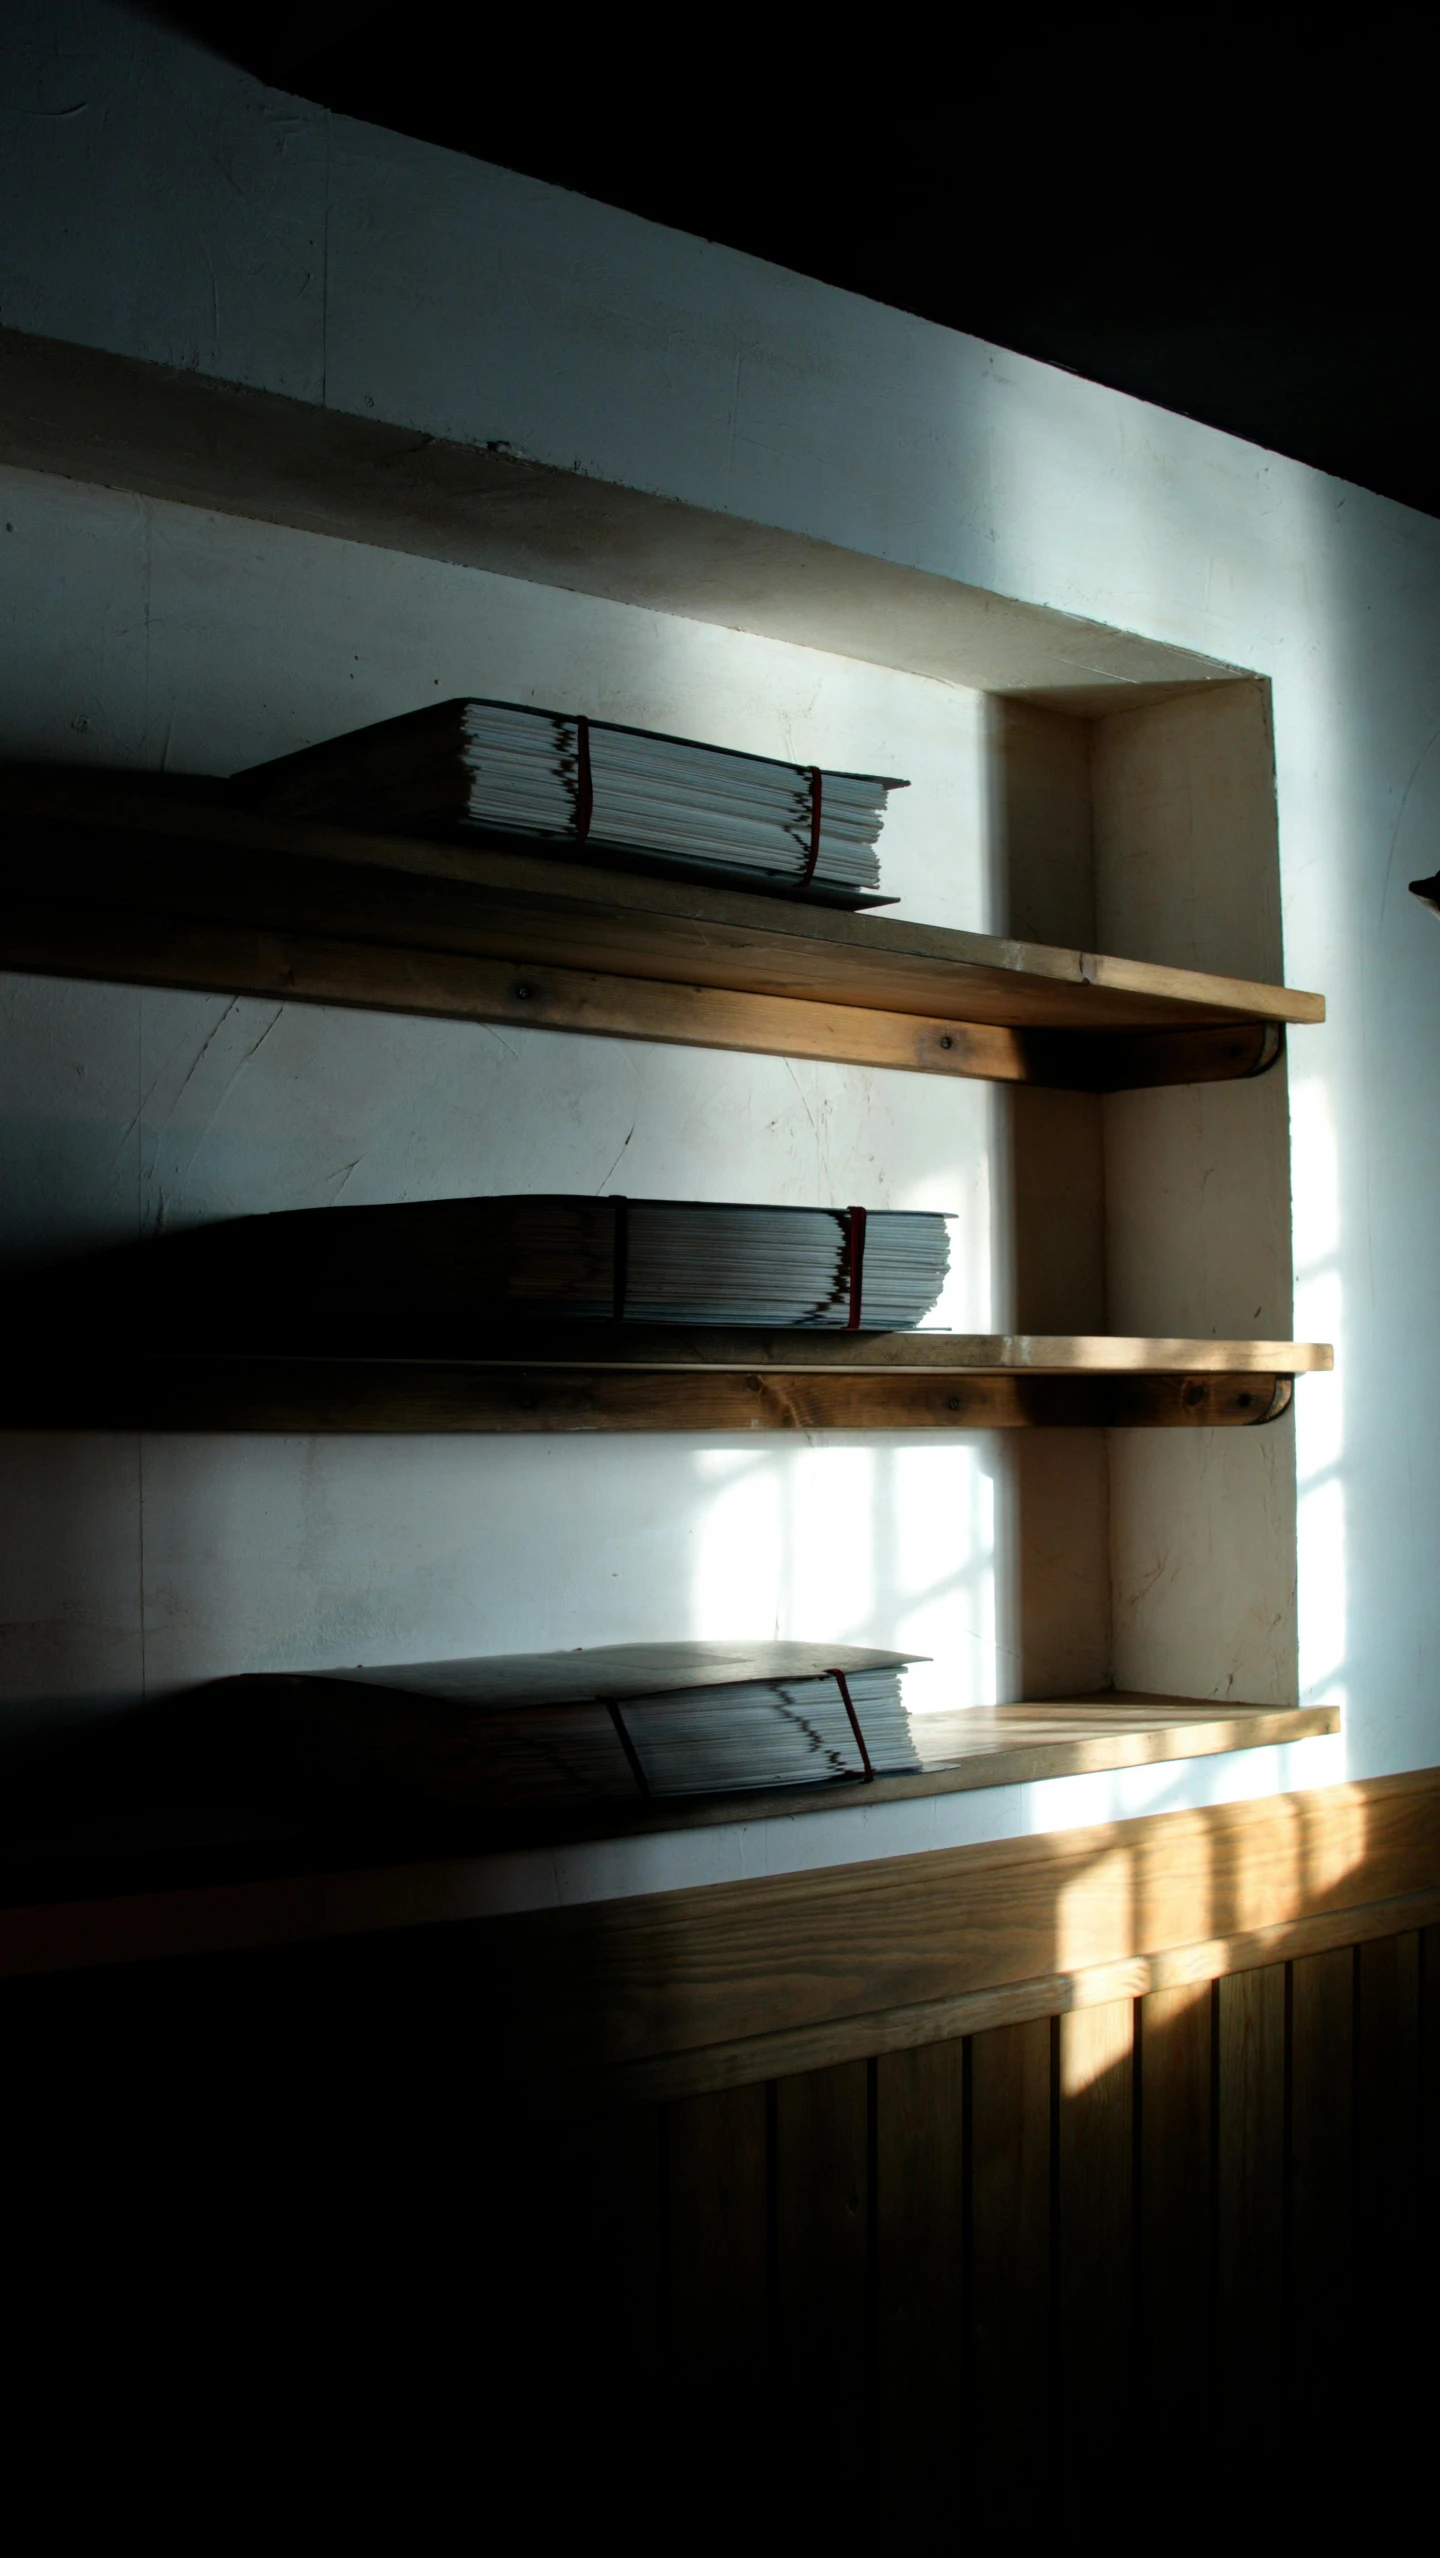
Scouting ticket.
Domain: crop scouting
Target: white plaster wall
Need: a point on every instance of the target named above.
(159, 204)
(151, 634)
(1197, 1203)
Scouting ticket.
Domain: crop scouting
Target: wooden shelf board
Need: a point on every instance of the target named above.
(674, 1349)
(116, 877)
(376, 1395)
(1011, 1745)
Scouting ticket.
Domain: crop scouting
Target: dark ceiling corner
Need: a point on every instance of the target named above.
(1232, 218)
(273, 42)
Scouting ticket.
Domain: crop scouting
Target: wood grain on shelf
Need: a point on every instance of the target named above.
(665, 1348)
(1005, 1745)
(811, 1969)
(370, 976)
(681, 1971)
(122, 1393)
(108, 878)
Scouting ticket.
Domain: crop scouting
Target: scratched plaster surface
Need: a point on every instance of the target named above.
(163, 206)
(176, 639)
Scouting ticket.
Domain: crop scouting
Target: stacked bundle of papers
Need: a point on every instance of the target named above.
(692, 1262)
(437, 1277)
(772, 1732)
(579, 786)
(627, 1722)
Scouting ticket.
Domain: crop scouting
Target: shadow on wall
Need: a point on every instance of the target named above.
(123, 1111)
(71, 1621)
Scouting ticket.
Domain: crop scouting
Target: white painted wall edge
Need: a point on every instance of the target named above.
(116, 422)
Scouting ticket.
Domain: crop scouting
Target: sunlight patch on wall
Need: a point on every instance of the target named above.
(891, 1545)
(1319, 1412)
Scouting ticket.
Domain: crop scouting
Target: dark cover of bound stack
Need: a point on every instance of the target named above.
(582, 789)
(256, 1772)
(620, 1724)
(441, 1278)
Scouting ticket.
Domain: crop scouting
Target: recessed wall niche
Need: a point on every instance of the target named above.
(1156, 1561)
(1009, 721)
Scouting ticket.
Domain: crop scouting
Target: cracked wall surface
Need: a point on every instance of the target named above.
(162, 207)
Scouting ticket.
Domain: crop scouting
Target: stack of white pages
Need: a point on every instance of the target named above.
(691, 1262)
(627, 1723)
(439, 1277)
(578, 786)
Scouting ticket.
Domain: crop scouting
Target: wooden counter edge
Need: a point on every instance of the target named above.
(310, 1908)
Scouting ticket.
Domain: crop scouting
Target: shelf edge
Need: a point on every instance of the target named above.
(315, 1907)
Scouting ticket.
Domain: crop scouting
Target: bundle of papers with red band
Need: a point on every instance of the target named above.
(564, 782)
(445, 1277)
(627, 1722)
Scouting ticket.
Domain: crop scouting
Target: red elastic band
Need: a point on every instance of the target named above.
(584, 782)
(632, 1755)
(808, 872)
(847, 1701)
(857, 1266)
(620, 1260)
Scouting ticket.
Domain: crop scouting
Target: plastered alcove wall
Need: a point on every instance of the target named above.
(1153, 1561)
(583, 398)
(147, 633)
(142, 633)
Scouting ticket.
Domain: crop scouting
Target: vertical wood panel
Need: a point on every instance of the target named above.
(1250, 2173)
(919, 2239)
(1322, 2106)
(606, 2237)
(1429, 2039)
(1176, 2198)
(718, 2234)
(1095, 2234)
(938, 2237)
(1429, 2036)
(1387, 2108)
(1010, 2233)
(822, 2237)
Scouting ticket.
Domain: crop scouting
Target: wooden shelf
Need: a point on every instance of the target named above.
(125, 878)
(610, 1381)
(714, 1348)
(1002, 1745)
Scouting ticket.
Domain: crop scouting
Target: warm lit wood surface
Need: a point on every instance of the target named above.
(993, 1745)
(716, 1987)
(1018, 2217)
(1135, 2187)
(662, 1348)
(822, 1966)
(106, 876)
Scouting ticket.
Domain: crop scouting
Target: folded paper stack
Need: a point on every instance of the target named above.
(624, 1722)
(576, 786)
(440, 1277)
